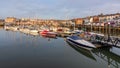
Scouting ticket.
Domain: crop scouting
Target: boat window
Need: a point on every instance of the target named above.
(75, 37)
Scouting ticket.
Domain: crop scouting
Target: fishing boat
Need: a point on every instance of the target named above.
(78, 41)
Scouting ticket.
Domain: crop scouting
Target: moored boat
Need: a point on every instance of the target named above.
(44, 32)
(87, 53)
(51, 34)
(24, 30)
(15, 28)
(76, 40)
(33, 31)
(48, 33)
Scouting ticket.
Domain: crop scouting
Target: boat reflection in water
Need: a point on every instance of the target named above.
(107, 54)
(85, 52)
(49, 38)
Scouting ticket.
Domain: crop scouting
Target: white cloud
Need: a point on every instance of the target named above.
(57, 9)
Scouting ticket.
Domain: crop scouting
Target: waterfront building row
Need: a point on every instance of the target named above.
(97, 20)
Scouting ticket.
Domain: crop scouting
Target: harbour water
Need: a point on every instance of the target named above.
(19, 50)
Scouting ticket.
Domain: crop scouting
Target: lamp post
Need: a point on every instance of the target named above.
(73, 24)
(108, 30)
(91, 23)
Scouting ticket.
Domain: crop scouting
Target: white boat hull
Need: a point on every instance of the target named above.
(81, 43)
(33, 31)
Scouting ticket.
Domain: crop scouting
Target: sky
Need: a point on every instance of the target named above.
(57, 9)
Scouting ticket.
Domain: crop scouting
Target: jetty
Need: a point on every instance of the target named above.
(105, 40)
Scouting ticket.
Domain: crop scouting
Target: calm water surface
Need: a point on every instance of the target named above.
(18, 50)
